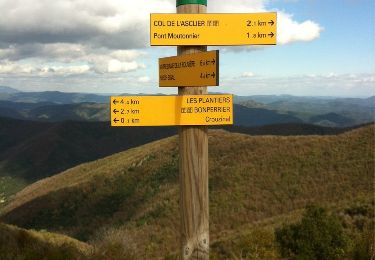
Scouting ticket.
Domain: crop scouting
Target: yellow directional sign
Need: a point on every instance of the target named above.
(171, 110)
(213, 29)
(198, 69)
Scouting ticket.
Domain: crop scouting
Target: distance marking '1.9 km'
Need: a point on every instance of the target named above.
(213, 29)
(197, 69)
(171, 110)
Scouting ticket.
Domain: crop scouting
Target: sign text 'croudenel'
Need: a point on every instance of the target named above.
(213, 29)
(171, 110)
(198, 69)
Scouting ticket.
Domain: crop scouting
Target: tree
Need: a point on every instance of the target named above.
(317, 236)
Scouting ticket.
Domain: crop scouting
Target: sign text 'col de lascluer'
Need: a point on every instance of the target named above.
(213, 29)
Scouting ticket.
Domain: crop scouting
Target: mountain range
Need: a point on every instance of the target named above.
(261, 110)
(8, 90)
(51, 112)
(31, 150)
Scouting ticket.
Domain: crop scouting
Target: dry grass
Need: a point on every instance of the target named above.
(17, 243)
(82, 173)
(132, 197)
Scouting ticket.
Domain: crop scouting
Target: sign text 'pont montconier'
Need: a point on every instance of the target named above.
(213, 29)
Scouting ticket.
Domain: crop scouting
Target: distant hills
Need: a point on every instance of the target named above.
(322, 110)
(248, 116)
(8, 90)
(256, 183)
(30, 150)
(55, 106)
(331, 119)
(34, 150)
(54, 97)
(51, 112)
(243, 115)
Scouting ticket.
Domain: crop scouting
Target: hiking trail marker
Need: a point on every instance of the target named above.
(191, 30)
(172, 110)
(198, 69)
(213, 29)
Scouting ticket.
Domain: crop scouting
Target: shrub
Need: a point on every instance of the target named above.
(259, 244)
(114, 244)
(364, 248)
(16, 243)
(317, 236)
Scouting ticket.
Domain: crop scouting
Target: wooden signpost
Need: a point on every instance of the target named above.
(191, 30)
(193, 168)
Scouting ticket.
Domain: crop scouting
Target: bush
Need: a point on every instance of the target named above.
(114, 244)
(364, 248)
(16, 243)
(317, 236)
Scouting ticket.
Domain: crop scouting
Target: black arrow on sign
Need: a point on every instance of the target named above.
(115, 101)
(115, 120)
(271, 22)
(271, 34)
(115, 111)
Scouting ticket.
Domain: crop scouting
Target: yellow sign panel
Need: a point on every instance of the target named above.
(172, 110)
(213, 29)
(198, 69)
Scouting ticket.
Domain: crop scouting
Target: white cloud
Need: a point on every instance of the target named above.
(237, 6)
(247, 74)
(13, 68)
(76, 37)
(71, 37)
(99, 60)
(117, 24)
(115, 66)
(370, 79)
(330, 84)
(289, 31)
(144, 79)
(332, 75)
(47, 70)
(64, 70)
(299, 85)
(111, 66)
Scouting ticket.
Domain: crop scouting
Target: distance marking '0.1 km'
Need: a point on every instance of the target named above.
(213, 29)
(198, 69)
(171, 110)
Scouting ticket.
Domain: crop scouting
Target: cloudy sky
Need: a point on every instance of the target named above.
(324, 48)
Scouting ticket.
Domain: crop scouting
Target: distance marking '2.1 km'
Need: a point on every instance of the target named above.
(213, 29)
(172, 110)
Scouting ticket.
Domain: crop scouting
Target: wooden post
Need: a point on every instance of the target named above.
(193, 142)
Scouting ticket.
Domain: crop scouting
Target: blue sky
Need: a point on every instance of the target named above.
(326, 48)
(346, 45)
